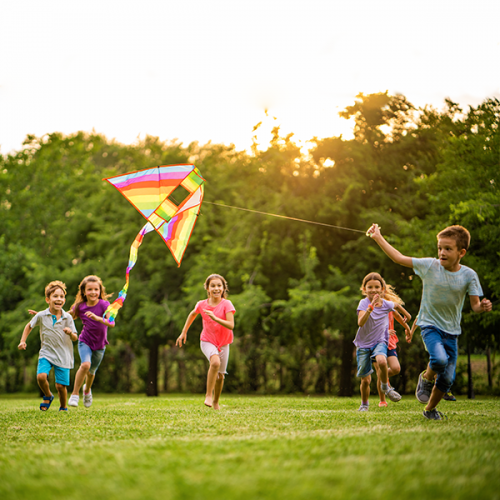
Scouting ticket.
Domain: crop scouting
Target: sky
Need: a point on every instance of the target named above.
(208, 70)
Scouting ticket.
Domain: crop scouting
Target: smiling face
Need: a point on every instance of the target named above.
(372, 288)
(449, 255)
(215, 289)
(56, 301)
(92, 292)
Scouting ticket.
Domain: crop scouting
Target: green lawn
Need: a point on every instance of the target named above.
(133, 447)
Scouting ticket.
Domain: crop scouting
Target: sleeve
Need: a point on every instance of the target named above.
(35, 320)
(474, 285)
(422, 266)
(389, 305)
(363, 305)
(198, 307)
(71, 324)
(228, 307)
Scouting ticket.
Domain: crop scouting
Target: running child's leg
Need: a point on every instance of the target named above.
(382, 366)
(63, 395)
(213, 371)
(80, 377)
(43, 383)
(393, 366)
(381, 393)
(219, 383)
(89, 382)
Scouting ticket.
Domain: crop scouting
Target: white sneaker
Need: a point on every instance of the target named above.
(73, 400)
(87, 398)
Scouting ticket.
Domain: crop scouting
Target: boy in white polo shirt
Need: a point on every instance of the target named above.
(57, 331)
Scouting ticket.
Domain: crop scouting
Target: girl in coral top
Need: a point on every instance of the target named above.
(402, 316)
(217, 314)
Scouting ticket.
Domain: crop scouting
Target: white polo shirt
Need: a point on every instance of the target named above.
(57, 347)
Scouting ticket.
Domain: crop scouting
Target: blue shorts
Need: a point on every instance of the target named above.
(392, 352)
(62, 374)
(87, 355)
(443, 353)
(365, 357)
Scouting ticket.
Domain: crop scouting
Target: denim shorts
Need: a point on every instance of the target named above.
(443, 353)
(87, 355)
(366, 356)
(62, 374)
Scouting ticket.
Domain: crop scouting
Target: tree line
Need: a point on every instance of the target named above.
(295, 286)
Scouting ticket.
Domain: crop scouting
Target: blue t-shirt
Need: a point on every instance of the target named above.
(443, 294)
(375, 330)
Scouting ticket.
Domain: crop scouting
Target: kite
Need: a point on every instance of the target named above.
(149, 191)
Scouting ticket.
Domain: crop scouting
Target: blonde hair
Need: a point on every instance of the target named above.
(81, 297)
(391, 295)
(54, 285)
(224, 284)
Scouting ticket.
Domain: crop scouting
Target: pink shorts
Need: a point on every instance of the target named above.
(209, 350)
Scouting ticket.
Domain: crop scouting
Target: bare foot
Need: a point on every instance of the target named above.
(216, 406)
(208, 401)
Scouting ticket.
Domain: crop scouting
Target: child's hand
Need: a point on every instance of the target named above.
(32, 312)
(408, 334)
(486, 305)
(181, 339)
(374, 231)
(22, 346)
(67, 330)
(392, 332)
(210, 314)
(376, 301)
(93, 316)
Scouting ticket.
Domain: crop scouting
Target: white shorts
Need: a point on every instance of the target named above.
(209, 350)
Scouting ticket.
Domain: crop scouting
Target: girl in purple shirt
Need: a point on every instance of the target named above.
(90, 305)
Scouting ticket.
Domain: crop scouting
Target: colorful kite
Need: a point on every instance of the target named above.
(149, 191)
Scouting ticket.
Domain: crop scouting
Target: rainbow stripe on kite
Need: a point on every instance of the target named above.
(148, 191)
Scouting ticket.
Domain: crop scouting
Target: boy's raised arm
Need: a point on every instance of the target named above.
(395, 255)
(26, 332)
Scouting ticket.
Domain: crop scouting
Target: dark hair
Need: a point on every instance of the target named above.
(459, 234)
(224, 284)
(81, 297)
(54, 285)
(370, 277)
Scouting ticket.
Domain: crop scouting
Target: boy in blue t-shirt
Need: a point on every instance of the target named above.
(445, 284)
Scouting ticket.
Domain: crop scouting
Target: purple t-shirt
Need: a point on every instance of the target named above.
(375, 330)
(94, 334)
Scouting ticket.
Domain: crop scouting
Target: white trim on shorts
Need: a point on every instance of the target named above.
(210, 349)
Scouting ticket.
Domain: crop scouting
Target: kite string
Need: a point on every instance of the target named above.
(285, 217)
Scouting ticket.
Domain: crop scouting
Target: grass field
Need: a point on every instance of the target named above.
(133, 447)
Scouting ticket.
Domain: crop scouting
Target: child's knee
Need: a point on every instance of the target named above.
(221, 376)
(215, 362)
(60, 387)
(365, 381)
(42, 378)
(438, 365)
(85, 366)
(381, 361)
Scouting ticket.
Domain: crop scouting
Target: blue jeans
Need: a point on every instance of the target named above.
(365, 357)
(443, 353)
(87, 355)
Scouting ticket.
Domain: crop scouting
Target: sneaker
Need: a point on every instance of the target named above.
(364, 407)
(87, 398)
(449, 397)
(382, 404)
(73, 400)
(393, 395)
(434, 415)
(424, 389)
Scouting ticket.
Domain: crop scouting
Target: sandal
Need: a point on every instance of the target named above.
(46, 406)
(63, 409)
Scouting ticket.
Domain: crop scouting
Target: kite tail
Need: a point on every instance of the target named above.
(118, 303)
